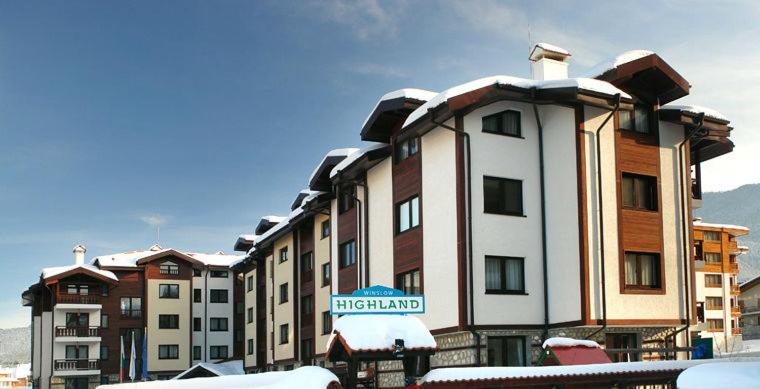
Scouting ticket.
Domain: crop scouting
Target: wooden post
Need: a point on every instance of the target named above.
(352, 370)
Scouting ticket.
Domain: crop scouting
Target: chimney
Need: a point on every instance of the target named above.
(549, 62)
(79, 251)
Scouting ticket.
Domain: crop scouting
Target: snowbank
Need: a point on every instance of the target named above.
(726, 375)
(379, 332)
(220, 369)
(569, 342)
(308, 377)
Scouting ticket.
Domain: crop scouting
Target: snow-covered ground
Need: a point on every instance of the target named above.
(724, 375)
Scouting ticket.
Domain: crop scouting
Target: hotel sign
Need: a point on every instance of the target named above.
(377, 300)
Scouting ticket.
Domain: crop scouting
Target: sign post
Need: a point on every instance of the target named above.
(377, 300)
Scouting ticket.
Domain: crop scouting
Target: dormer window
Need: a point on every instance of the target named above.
(169, 268)
(637, 121)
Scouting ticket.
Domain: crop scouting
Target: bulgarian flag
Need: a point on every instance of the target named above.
(122, 360)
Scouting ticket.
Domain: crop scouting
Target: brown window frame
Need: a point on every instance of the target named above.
(401, 277)
(638, 286)
(501, 123)
(713, 284)
(503, 209)
(637, 202)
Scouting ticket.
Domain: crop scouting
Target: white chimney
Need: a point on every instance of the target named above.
(549, 62)
(79, 251)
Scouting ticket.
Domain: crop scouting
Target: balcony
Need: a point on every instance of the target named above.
(79, 332)
(736, 331)
(736, 311)
(733, 267)
(750, 308)
(735, 290)
(65, 298)
(77, 365)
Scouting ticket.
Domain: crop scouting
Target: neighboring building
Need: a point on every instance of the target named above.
(749, 301)
(715, 251)
(81, 313)
(15, 376)
(522, 209)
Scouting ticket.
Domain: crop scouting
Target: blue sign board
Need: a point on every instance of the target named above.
(377, 299)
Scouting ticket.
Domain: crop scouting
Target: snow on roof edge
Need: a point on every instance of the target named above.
(344, 152)
(696, 110)
(569, 342)
(409, 93)
(354, 157)
(50, 272)
(720, 225)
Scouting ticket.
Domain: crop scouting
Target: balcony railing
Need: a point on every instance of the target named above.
(131, 313)
(750, 308)
(736, 331)
(78, 331)
(65, 298)
(76, 364)
(736, 311)
(733, 267)
(735, 290)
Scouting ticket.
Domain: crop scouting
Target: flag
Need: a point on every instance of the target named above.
(145, 355)
(132, 359)
(122, 360)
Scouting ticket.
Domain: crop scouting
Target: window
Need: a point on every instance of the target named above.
(218, 324)
(104, 290)
(406, 148)
(77, 352)
(326, 322)
(307, 350)
(197, 324)
(714, 303)
(197, 272)
(307, 262)
(197, 353)
(168, 291)
(249, 347)
(168, 321)
(284, 293)
(503, 123)
(284, 334)
(639, 192)
(169, 268)
(638, 120)
(218, 352)
(219, 274)
(506, 351)
(346, 198)
(713, 236)
(249, 283)
(103, 353)
(325, 228)
(409, 282)
(77, 383)
(502, 196)
(713, 280)
(715, 325)
(197, 295)
(408, 214)
(249, 313)
(77, 320)
(103, 321)
(168, 351)
(642, 270)
(83, 290)
(347, 254)
(131, 307)
(307, 305)
(326, 273)
(239, 336)
(283, 254)
(218, 296)
(622, 341)
(712, 257)
(505, 275)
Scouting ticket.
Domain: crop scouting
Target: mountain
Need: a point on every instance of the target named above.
(15, 345)
(740, 206)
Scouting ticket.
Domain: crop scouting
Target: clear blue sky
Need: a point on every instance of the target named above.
(202, 116)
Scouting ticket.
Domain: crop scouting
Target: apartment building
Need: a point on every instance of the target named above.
(182, 302)
(521, 208)
(749, 301)
(716, 250)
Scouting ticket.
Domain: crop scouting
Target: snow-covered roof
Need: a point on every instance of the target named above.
(589, 84)
(407, 93)
(726, 375)
(719, 225)
(248, 237)
(50, 272)
(379, 333)
(543, 49)
(468, 374)
(696, 110)
(216, 259)
(332, 154)
(569, 342)
(219, 369)
(307, 377)
(551, 47)
(355, 156)
(628, 56)
(273, 218)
